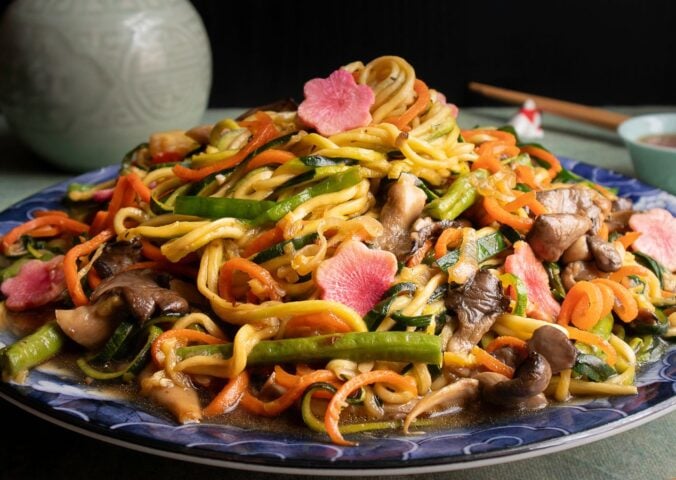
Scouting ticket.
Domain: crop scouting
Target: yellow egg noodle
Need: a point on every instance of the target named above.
(397, 261)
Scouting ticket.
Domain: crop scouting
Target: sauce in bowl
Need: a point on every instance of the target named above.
(660, 139)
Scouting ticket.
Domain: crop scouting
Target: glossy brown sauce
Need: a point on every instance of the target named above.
(290, 422)
(661, 139)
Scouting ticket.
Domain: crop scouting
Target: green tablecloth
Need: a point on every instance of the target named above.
(39, 449)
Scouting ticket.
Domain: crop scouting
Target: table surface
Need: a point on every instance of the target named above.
(39, 449)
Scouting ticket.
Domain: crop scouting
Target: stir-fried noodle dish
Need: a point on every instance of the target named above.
(354, 262)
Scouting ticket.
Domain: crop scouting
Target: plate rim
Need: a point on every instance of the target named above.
(210, 458)
(174, 450)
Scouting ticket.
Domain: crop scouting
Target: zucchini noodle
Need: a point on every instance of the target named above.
(386, 257)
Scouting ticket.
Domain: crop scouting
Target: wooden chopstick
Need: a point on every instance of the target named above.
(596, 116)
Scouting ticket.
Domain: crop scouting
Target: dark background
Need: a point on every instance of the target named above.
(594, 52)
(598, 52)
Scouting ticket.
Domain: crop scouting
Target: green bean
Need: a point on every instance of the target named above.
(335, 183)
(356, 346)
(458, 198)
(32, 350)
(212, 207)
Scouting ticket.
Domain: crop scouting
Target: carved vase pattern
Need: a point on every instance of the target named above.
(83, 81)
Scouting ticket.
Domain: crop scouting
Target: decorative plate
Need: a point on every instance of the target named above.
(61, 399)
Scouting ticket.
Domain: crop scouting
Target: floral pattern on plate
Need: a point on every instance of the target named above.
(60, 397)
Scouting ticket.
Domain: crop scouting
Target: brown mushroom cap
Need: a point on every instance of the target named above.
(530, 379)
(553, 344)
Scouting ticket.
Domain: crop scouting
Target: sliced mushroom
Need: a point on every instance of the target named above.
(477, 304)
(405, 203)
(200, 133)
(606, 256)
(456, 393)
(427, 229)
(142, 294)
(509, 356)
(553, 344)
(552, 234)
(174, 141)
(530, 379)
(576, 271)
(489, 379)
(578, 200)
(619, 221)
(91, 325)
(182, 402)
(578, 251)
(117, 256)
(622, 204)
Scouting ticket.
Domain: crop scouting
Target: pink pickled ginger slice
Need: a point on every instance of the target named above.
(524, 265)
(336, 104)
(356, 276)
(658, 235)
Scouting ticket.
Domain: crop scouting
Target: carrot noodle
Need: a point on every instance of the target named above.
(264, 131)
(504, 137)
(500, 215)
(99, 222)
(118, 199)
(228, 398)
(318, 237)
(450, 236)
(336, 404)
(57, 221)
(151, 251)
(526, 175)
(507, 341)
(554, 164)
(583, 306)
(608, 297)
(277, 406)
(624, 303)
(593, 339)
(268, 157)
(628, 239)
(43, 232)
(414, 110)
(313, 324)
(620, 276)
(419, 255)
(263, 241)
(139, 187)
(44, 213)
(70, 267)
(289, 380)
(255, 271)
(491, 363)
(93, 279)
(526, 200)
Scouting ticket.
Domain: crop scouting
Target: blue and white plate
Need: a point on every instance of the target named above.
(60, 398)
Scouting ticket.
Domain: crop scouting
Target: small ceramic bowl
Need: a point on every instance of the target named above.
(653, 163)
